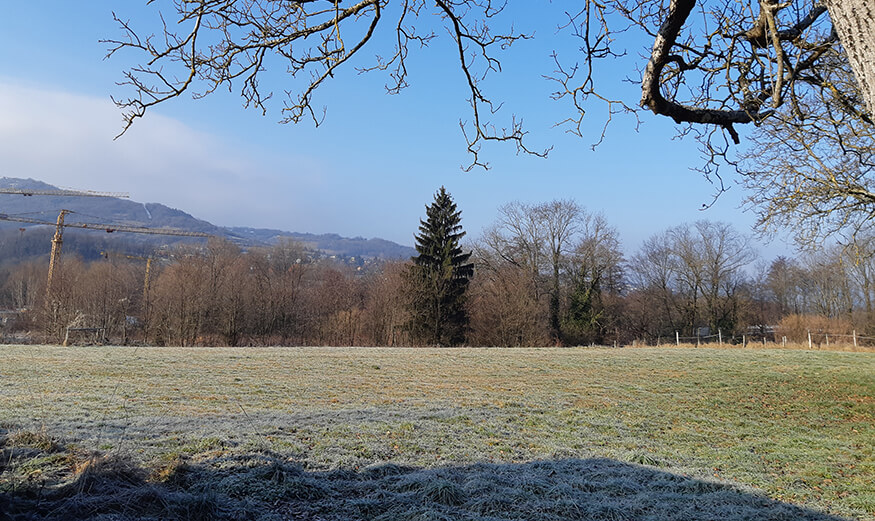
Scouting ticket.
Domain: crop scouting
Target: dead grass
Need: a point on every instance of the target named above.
(39, 439)
(477, 434)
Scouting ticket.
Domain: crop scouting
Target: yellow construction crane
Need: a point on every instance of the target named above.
(56, 241)
(63, 192)
(58, 238)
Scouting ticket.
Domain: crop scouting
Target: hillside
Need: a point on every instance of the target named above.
(328, 243)
(111, 210)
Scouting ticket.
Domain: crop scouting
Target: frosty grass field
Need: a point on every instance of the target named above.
(118, 433)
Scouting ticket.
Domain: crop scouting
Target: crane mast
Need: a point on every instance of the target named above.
(57, 241)
(58, 238)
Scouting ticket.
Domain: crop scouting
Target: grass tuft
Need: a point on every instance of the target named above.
(195, 507)
(31, 439)
(105, 474)
(643, 458)
(444, 492)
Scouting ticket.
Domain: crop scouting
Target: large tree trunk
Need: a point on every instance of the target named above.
(854, 21)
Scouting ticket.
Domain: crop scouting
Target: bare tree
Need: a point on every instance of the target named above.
(814, 177)
(713, 62)
(696, 271)
(225, 275)
(783, 280)
(595, 269)
(722, 63)
(278, 276)
(212, 44)
(561, 222)
(385, 307)
(236, 302)
(61, 304)
(337, 301)
(512, 257)
(107, 294)
(179, 301)
(652, 276)
(517, 238)
(860, 260)
(23, 285)
(687, 253)
(827, 284)
(758, 307)
(539, 239)
(504, 304)
(726, 252)
(569, 254)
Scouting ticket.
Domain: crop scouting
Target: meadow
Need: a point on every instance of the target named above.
(117, 433)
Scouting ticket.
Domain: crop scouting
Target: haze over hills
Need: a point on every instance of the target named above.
(117, 211)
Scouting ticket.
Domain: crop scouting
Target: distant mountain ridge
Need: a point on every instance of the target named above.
(329, 243)
(112, 210)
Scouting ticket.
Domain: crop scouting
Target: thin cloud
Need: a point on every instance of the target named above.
(66, 139)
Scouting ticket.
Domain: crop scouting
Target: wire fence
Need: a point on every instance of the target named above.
(813, 338)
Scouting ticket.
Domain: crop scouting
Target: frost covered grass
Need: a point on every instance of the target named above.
(481, 434)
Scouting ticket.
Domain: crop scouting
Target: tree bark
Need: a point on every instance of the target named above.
(854, 21)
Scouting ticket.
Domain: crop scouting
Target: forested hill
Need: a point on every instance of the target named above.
(108, 210)
(329, 243)
(111, 210)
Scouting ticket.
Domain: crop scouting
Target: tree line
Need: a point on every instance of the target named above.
(551, 273)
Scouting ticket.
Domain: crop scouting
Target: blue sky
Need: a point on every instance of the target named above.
(369, 170)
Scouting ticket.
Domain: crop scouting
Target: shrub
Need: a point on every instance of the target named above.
(796, 328)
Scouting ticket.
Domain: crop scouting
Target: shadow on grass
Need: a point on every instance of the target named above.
(40, 480)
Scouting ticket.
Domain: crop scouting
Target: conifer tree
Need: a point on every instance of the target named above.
(438, 278)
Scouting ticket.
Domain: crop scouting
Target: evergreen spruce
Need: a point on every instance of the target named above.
(438, 279)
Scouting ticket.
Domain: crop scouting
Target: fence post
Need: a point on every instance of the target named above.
(809, 339)
(855, 338)
(720, 336)
(743, 340)
(677, 337)
(826, 335)
(784, 341)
